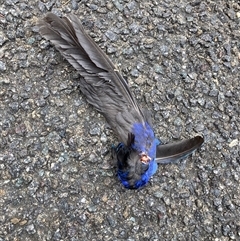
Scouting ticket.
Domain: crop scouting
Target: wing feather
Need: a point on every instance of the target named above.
(103, 86)
(173, 152)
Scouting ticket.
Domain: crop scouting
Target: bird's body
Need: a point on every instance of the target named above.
(109, 93)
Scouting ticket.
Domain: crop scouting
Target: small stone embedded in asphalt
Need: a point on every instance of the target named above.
(111, 35)
(2, 66)
(30, 229)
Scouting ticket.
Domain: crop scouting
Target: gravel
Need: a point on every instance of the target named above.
(182, 61)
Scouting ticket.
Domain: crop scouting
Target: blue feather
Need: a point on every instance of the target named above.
(144, 139)
(123, 176)
(144, 142)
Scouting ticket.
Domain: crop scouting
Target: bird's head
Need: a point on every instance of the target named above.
(134, 169)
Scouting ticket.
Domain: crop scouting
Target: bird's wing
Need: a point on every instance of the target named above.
(173, 152)
(100, 82)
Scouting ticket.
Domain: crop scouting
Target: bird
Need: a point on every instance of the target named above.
(139, 152)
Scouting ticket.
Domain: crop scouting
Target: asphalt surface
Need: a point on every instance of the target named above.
(182, 61)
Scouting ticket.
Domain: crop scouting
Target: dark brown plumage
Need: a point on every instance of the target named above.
(101, 83)
(181, 149)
